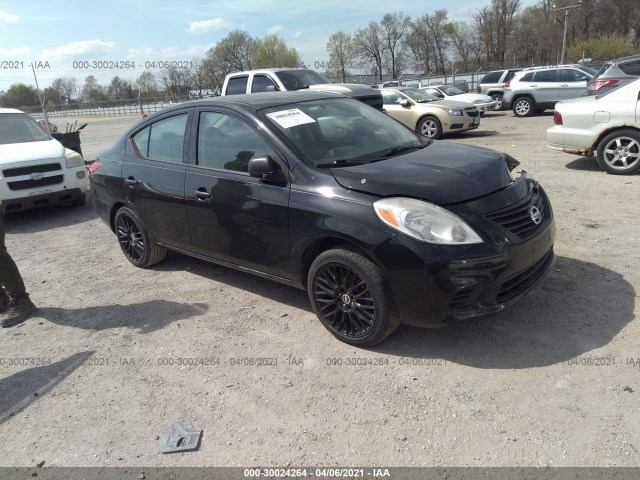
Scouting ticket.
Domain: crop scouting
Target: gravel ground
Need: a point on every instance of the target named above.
(115, 354)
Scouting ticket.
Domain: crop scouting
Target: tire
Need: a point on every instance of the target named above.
(498, 98)
(619, 152)
(135, 242)
(430, 127)
(80, 201)
(351, 298)
(523, 107)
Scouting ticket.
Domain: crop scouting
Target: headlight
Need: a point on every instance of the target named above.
(73, 159)
(510, 161)
(455, 113)
(425, 221)
(477, 102)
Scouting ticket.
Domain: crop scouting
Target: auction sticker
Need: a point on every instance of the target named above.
(290, 118)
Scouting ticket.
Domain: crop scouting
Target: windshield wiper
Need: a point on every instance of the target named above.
(343, 162)
(396, 150)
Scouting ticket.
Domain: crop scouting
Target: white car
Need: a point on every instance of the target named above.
(448, 92)
(35, 169)
(607, 125)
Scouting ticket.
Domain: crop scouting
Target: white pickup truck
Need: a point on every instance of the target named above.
(285, 79)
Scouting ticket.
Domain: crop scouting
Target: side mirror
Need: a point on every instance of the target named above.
(265, 168)
(405, 103)
(270, 88)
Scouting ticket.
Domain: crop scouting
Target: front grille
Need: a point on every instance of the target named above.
(517, 218)
(20, 171)
(521, 282)
(43, 182)
(472, 112)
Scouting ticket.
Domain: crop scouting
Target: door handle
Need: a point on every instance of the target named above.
(131, 181)
(564, 85)
(201, 194)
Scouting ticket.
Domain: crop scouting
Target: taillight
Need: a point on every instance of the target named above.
(598, 84)
(93, 168)
(506, 85)
(557, 118)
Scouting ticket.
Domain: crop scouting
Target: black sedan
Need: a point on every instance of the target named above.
(379, 224)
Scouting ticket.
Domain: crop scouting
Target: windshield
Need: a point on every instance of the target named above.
(449, 90)
(297, 79)
(419, 96)
(338, 131)
(20, 128)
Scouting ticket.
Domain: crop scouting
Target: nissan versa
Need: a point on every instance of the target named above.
(379, 224)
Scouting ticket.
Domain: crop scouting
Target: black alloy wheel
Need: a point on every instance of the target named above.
(135, 242)
(351, 298)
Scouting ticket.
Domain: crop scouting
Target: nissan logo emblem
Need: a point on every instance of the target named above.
(535, 215)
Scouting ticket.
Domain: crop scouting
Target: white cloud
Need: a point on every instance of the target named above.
(204, 26)
(14, 52)
(186, 53)
(296, 35)
(82, 48)
(274, 29)
(140, 52)
(8, 17)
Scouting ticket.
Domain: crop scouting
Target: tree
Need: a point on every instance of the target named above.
(420, 43)
(147, 84)
(496, 23)
(369, 47)
(20, 95)
(394, 26)
(600, 48)
(56, 87)
(340, 49)
(231, 54)
(436, 24)
(90, 89)
(69, 88)
(460, 35)
(272, 51)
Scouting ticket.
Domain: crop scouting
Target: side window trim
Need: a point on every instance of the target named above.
(185, 141)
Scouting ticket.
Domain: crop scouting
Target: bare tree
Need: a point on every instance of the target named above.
(69, 87)
(147, 84)
(460, 35)
(394, 26)
(420, 43)
(496, 23)
(436, 24)
(340, 48)
(369, 46)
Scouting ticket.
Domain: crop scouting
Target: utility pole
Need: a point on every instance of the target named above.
(41, 98)
(564, 33)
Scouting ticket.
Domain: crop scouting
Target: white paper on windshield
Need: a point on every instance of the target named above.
(290, 118)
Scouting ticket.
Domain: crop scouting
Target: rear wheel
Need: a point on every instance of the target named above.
(619, 152)
(351, 298)
(430, 127)
(135, 242)
(523, 107)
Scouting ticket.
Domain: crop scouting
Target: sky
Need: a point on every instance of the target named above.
(81, 38)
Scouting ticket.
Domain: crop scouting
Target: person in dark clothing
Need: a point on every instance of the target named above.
(15, 304)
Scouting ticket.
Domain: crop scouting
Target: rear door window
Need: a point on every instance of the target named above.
(546, 75)
(163, 140)
(237, 85)
(493, 77)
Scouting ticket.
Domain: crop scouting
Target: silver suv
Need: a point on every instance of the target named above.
(540, 88)
(492, 84)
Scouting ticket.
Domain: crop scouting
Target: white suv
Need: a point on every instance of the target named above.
(538, 89)
(35, 169)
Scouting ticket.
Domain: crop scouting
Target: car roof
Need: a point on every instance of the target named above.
(273, 69)
(10, 110)
(258, 101)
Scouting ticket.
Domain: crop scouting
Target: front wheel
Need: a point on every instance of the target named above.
(619, 152)
(430, 127)
(523, 107)
(351, 298)
(498, 98)
(135, 242)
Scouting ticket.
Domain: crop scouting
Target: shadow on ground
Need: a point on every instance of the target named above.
(144, 317)
(588, 164)
(21, 389)
(47, 218)
(580, 306)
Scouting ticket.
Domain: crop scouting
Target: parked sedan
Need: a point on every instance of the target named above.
(448, 92)
(427, 114)
(608, 125)
(379, 224)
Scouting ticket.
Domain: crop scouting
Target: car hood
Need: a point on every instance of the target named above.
(442, 173)
(472, 97)
(446, 104)
(24, 152)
